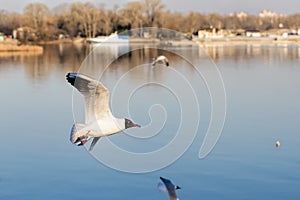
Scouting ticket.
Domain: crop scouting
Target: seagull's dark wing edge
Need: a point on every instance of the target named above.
(170, 187)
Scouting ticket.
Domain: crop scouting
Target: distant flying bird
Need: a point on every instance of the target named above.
(171, 188)
(99, 120)
(278, 144)
(160, 59)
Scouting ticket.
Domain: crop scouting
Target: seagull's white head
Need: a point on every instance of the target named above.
(129, 124)
(177, 187)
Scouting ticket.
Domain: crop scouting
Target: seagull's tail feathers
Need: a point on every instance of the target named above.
(76, 127)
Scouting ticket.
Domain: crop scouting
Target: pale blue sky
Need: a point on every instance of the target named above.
(204, 6)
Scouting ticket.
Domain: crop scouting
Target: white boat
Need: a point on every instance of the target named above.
(113, 38)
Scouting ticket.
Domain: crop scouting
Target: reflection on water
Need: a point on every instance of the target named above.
(11, 55)
(70, 56)
(250, 52)
(65, 57)
(262, 87)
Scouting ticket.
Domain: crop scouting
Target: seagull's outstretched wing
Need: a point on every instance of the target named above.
(96, 96)
(170, 187)
(162, 187)
(162, 59)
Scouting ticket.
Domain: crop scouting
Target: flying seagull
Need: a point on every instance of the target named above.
(160, 59)
(277, 144)
(171, 188)
(99, 120)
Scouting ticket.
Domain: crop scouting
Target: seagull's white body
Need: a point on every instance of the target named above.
(99, 120)
(102, 127)
(161, 59)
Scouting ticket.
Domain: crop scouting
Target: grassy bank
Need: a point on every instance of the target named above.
(11, 45)
(14, 48)
(19, 48)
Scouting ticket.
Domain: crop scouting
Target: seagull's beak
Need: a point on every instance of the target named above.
(137, 125)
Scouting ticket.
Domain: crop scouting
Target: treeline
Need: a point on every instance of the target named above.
(90, 20)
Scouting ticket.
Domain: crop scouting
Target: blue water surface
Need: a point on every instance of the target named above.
(262, 86)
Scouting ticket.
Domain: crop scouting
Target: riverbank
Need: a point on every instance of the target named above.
(11, 45)
(249, 41)
(224, 41)
(20, 48)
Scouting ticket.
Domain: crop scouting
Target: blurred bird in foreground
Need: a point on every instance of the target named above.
(161, 59)
(167, 186)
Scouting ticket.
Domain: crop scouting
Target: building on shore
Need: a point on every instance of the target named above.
(253, 33)
(210, 33)
(25, 34)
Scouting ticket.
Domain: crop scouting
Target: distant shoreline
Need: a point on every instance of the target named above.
(250, 41)
(12, 45)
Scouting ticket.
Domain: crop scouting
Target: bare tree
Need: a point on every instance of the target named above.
(153, 10)
(173, 21)
(86, 17)
(292, 21)
(88, 20)
(103, 23)
(36, 15)
(195, 21)
(132, 14)
(3, 19)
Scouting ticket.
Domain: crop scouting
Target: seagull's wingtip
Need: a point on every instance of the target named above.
(71, 76)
